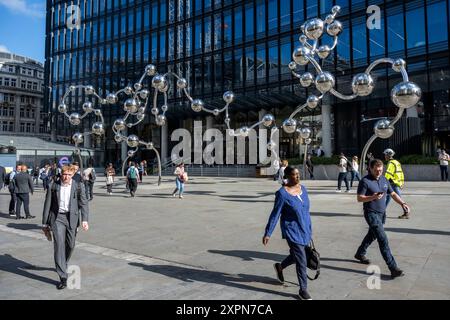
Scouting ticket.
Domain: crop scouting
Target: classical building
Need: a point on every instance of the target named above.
(246, 46)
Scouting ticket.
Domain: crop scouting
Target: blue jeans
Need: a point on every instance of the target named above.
(343, 176)
(354, 174)
(298, 256)
(388, 196)
(180, 187)
(376, 221)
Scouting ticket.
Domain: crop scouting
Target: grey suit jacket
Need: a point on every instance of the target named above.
(2, 176)
(23, 183)
(78, 204)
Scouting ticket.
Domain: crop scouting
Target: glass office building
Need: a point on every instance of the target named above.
(246, 46)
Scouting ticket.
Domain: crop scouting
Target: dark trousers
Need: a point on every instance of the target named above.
(140, 175)
(298, 256)
(311, 171)
(132, 183)
(12, 202)
(355, 174)
(109, 188)
(444, 173)
(89, 188)
(64, 243)
(25, 199)
(343, 176)
(376, 221)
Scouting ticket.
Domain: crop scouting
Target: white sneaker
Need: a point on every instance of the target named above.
(181, 197)
(337, 190)
(174, 195)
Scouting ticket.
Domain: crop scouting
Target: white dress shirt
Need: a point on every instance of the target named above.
(64, 198)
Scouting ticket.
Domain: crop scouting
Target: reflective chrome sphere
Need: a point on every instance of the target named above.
(89, 90)
(305, 133)
(292, 65)
(119, 124)
(228, 97)
(130, 105)
(314, 28)
(111, 98)
(324, 51)
(398, 65)
(306, 79)
(72, 88)
(159, 82)
(271, 146)
(98, 129)
(216, 112)
(128, 90)
(336, 9)
(268, 120)
(132, 141)
(308, 141)
(103, 101)
(227, 121)
(74, 119)
(197, 105)
(131, 153)
(406, 94)
(118, 138)
(77, 137)
(329, 19)
(164, 107)
(324, 82)
(312, 101)
(150, 69)
(383, 129)
(141, 110)
(154, 111)
(182, 83)
(137, 86)
(161, 120)
(140, 116)
(244, 131)
(98, 112)
(300, 55)
(62, 108)
(363, 84)
(303, 39)
(144, 94)
(289, 125)
(87, 107)
(150, 146)
(335, 28)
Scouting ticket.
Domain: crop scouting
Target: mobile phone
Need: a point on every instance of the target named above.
(379, 193)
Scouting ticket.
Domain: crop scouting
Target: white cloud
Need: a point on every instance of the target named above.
(4, 49)
(25, 7)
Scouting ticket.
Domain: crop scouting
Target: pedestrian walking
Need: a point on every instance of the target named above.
(36, 176)
(355, 171)
(89, 177)
(10, 182)
(284, 165)
(23, 186)
(110, 173)
(394, 174)
(444, 158)
(372, 192)
(310, 166)
(292, 209)
(132, 178)
(342, 166)
(180, 180)
(64, 207)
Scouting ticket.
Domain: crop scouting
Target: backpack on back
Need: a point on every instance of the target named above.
(132, 173)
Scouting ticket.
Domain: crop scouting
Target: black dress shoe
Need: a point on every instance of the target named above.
(397, 273)
(279, 272)
(62, 284)
(18, 218)
(30, 217)
(362, 259)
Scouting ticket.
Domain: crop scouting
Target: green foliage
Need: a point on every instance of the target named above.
(409, 159)
(418, 159)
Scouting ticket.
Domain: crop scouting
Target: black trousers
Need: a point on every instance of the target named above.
(297, 255)
(12, 202)
(343, 177)
(89, 188)
(444, 173)
(25, 199)
(63, 242)
(132, 183)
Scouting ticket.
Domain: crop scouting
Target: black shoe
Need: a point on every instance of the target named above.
(362, 259)
(30, 217)
(304, 295)
(279, 272)
(18, 218)
(12, 213)
(397, 273)
(62, 284)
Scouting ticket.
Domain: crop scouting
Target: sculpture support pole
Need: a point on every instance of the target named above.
(364, 154)
(304, 161)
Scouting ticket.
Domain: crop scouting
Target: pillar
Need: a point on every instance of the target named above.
(326, 130)
(164, 142)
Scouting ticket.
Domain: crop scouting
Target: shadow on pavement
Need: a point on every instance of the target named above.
(418, 231)
(10, 264)
(193, 275)
(24, 226)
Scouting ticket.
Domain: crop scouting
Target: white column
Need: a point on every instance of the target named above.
(326, 130)
(164, 142)
(124, 147)
(87, 140)
(209, 122)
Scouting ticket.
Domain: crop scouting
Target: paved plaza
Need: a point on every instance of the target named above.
(208, 245)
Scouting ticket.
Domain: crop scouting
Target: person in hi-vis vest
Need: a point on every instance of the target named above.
(394, 174)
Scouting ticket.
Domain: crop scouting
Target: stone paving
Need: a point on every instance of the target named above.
(208, 245)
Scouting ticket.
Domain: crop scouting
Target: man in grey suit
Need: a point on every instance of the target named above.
(65, 203)
(23, 185)
(2, 176)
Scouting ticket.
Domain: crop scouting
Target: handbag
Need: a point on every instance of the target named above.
(312, 259)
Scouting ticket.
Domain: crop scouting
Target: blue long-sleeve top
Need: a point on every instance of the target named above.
(295, 219)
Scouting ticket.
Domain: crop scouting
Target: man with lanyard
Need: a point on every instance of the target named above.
(372, 191)
(394, 174)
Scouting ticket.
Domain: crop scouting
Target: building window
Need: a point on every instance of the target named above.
(35, 86)
(22, 127)
(6, 82)
(13, 82)
(23, 84)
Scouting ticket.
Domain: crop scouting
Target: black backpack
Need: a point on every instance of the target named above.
(312, 259)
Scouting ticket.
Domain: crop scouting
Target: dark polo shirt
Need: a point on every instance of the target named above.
(368, 186)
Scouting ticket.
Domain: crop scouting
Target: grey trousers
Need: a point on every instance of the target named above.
(64, 243)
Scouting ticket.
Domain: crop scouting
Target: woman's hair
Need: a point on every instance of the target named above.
(284, 163)
(288, 171)
(355, 158)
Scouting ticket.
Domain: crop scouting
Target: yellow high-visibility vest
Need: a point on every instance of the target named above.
(394, 173)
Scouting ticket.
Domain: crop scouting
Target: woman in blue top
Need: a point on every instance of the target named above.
(292, 208)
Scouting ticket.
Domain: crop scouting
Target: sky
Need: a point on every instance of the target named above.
(22, 28)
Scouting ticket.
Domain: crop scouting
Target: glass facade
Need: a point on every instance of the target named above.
(245, 46)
